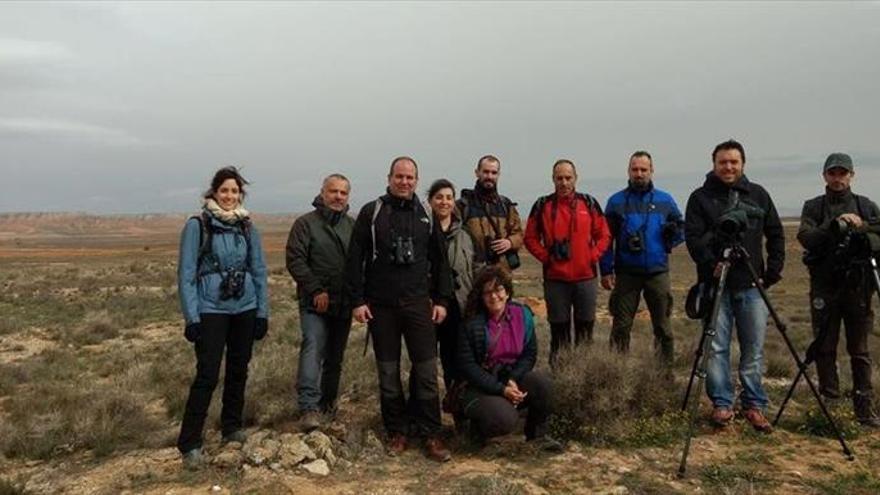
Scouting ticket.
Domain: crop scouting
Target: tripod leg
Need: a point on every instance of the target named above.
(794, 385)
(780, 325)
(697, 355)
(699, 371)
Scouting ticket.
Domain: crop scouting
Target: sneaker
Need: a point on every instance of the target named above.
(236, 436)
(436, 450)
(193, 459)
(311, 420)
(721, 416)
(757, 419)
(396, 444)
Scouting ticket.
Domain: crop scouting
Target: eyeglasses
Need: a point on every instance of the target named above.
(498, 290)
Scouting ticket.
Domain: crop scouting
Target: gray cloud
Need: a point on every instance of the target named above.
(139, 102)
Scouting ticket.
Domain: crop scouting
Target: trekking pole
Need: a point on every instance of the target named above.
(700, 362)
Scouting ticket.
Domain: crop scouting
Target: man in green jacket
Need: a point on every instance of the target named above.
(840, 231)
(316, 251)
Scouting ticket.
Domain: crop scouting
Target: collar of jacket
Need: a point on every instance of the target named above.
(486, 195)
(399, 203)
(713, 182)
(835, 197)
(634, 190)
(330, 216)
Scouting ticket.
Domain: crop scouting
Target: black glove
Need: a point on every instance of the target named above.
(771, 278)
(193, 332)
(261, 326)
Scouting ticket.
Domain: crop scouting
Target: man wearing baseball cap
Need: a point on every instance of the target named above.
(840, 231)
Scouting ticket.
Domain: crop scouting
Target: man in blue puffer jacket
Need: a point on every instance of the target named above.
(645, 225)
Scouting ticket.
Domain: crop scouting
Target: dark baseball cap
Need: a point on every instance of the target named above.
(838, 160)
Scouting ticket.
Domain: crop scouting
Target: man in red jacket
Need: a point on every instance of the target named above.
(567, 232)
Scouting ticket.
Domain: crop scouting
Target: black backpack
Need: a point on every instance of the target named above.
(206, 245)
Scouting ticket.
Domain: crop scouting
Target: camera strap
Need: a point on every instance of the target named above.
(206, 244)
(377, 206)
(554, 206)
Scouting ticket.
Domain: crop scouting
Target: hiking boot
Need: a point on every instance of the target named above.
(863, 407)
(236, 436)
(721, 416)
(548, 444)
(311, 420)
(193, 459)
(396, 444)
(435, 449)
(754, 416)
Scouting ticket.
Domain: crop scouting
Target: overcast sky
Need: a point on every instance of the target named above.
(130, 107)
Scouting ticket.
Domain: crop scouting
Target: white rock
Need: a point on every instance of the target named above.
(216, 488)
(318, 467)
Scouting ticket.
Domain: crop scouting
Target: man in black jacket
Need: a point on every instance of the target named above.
(316, 253)
(840, 231)
(725, 190)
(399, 281)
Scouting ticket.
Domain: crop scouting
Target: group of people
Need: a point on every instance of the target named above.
(440, 271)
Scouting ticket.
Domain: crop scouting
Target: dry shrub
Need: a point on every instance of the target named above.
(97, 327)
(55, 418)
(605, 398)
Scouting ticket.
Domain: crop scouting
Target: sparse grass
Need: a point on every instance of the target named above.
(489, 485)
(730, 478)
(813, 422)
(860, 483)
(638, 484)
(9, 487)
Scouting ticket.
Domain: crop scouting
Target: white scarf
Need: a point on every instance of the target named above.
(231, 217)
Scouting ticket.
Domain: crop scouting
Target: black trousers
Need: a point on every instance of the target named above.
(235, 334)
(829, 308)
(493, 415)
(447, 335)
(411, 320)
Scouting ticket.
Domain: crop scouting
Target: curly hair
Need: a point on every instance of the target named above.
(494, 275)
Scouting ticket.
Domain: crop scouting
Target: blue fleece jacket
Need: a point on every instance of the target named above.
(200, 293)
(645, 214)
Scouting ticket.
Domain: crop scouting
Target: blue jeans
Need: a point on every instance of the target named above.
(320, 359)
(748, 310)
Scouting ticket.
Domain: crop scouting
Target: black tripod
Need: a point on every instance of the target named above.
(735, 253)
(813, 350)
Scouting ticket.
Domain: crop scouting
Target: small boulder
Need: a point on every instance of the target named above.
(318, 467)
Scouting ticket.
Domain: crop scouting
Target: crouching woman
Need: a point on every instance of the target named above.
(222, 281)
(497, 351)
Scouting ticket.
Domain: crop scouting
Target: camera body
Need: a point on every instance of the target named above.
(232, 284)
(491, 256)
(561, 250)
(635, 243)
(402, 251)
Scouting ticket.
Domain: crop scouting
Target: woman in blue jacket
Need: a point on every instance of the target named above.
(221, 277)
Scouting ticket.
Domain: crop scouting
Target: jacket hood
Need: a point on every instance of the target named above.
(713, 182)
(641, 190)
(390, 199)
(332, 216)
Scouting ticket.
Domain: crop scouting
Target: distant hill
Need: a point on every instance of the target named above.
(72, 225)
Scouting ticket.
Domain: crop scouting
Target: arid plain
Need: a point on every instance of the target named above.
(94, 371)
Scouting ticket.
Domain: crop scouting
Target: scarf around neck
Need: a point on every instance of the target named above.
(230, 217)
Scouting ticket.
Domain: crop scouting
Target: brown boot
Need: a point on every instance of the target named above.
(435, 449)
(758, 421)
(396, 444)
